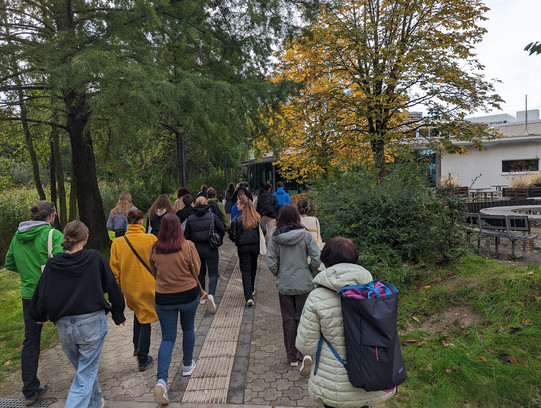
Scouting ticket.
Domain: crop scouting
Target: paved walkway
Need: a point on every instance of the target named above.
(239, 351)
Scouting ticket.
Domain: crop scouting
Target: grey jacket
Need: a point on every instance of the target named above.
(322, 314)
(287, 259)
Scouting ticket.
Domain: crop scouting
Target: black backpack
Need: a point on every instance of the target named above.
(374, 357)
(266, 205)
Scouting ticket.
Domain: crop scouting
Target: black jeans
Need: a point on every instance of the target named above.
(209, 259)
(248, 267)
(30, 353)
(141, 340)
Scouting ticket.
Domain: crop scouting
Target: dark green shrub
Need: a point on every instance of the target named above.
(400, 220)
(14, 208)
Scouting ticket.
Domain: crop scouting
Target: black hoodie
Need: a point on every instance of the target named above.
(74, 284)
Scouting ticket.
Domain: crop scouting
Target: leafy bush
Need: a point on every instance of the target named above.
(14, 208)
(397, 221)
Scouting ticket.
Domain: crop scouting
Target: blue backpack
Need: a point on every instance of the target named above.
(374, 358)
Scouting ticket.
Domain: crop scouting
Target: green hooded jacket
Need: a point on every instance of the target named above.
(28, 252)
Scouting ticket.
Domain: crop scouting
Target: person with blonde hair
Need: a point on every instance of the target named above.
(70, 293)
(244, 232)
(159, 208)
(117, 216)
(129, 263)
(198, 229)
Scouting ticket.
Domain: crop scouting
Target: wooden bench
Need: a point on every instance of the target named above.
(512, 227)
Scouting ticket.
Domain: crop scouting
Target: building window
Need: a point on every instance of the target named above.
(509, 166)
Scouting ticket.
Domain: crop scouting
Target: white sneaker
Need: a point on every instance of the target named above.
(202, 302)
(294, 363)
(306, 366)
(188, 370)
(211, 304)
(160, 393)
(249, 302)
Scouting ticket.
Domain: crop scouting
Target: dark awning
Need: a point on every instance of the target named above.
(268, 159)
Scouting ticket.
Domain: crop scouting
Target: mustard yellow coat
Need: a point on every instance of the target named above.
(136, 282)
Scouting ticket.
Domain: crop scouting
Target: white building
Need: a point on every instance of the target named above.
(519, 150)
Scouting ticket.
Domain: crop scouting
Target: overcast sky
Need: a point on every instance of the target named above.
(511, 25)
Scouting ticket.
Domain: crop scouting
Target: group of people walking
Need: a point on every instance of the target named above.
(161, 271)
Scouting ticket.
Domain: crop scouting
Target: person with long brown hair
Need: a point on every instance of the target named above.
(288, 252)
(117, 217)
(70, 293)
(175, 264)
(244, 232)
(157, 210)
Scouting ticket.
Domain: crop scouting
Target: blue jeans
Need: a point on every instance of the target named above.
(82, 339)
(168, 315)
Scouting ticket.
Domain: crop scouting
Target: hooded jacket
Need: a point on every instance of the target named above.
(28, 252)
(136, 282)
(322, 315)
(198, 225)
(282, 196)
(287, 259)
(74, 284)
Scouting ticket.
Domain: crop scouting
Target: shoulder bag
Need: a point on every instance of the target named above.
(215, 240)
(49, 247)
(137, 255)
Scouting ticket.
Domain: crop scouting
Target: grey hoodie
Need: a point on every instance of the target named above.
(287, 259)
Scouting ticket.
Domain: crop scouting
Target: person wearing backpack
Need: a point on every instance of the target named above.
(217, 207)
(322, 316)
(267, 207)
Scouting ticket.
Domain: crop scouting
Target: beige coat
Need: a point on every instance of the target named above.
(134, 279)
(322, 314)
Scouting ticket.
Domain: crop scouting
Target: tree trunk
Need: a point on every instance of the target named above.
(378, 148)
(55, 149)
(53, 182)
(84, 170)
(73, 197)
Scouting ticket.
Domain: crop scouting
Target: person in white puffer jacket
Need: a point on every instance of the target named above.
(322, 314)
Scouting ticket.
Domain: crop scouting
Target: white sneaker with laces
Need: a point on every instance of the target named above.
(211, 304)
(188, 370)
(306, 366)
(250, 302)
(160, 393)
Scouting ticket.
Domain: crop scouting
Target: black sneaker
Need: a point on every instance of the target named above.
(41, 390)
(147, 365)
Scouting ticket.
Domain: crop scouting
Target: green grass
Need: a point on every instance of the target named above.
(12, 325)
(452, 365)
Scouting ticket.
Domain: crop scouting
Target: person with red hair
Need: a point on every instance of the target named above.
(175, 264)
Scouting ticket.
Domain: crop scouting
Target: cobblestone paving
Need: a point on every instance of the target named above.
(266, 378)
(270, 379)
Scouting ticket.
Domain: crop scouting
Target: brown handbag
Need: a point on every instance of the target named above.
(202, 293)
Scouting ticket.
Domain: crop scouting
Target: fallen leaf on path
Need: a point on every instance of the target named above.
(481, 358)
(408, 342)
(416, 319)
(513, 360)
